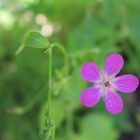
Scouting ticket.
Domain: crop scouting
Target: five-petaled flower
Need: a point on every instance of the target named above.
(106, 83)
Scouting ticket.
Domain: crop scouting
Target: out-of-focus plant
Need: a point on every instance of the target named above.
(89, 30)
(36, 40)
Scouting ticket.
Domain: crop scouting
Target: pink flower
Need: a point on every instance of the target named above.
(106, 84)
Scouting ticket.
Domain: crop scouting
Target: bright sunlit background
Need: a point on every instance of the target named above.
(89, 30)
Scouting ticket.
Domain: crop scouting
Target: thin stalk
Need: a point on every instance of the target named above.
(62, 49)
(69, 115)
(50, 76)
(53, 132)
(50, 93)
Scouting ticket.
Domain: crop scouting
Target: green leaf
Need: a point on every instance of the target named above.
(35, 40)
(97, 126)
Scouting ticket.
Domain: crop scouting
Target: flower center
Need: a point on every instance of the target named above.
(107, 84)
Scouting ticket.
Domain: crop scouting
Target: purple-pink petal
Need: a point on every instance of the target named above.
(91, 96)
(126, 83)
(113, 64)
(91, 72)
(113, 102)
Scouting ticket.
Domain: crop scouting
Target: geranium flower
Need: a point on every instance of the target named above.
(106, 84)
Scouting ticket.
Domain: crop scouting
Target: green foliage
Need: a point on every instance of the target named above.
(58, 114)
(89, 30)
(35, 40)
(99, 126)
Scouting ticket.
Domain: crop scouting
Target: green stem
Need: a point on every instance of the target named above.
(50, 76)
(30, 104)
(53, 132)
(55, 45)
(50, 93)
(62, 49)
(66, 71)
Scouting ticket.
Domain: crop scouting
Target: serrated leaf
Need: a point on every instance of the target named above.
(35, 40)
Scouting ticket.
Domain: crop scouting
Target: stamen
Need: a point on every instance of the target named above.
(107, 84)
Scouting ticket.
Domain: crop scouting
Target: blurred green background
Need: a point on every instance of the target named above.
(89, 30)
